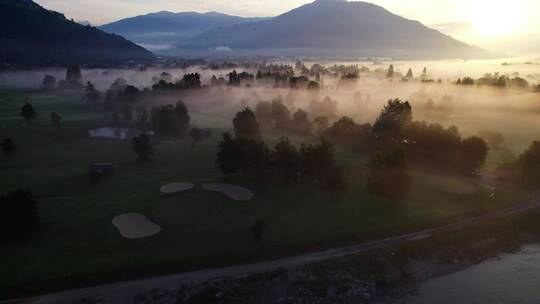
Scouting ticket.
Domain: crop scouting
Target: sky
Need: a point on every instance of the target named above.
(487, 23)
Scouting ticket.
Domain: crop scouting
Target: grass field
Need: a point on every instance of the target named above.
(77, 241)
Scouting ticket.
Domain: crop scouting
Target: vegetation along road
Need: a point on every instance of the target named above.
(122, 290)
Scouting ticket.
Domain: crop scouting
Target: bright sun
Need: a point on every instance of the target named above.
(497, 18)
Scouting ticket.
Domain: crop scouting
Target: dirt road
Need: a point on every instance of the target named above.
(122, 290)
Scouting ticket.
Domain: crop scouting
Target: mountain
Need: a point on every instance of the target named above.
(331, 28)
(34, 36)
(160, 30)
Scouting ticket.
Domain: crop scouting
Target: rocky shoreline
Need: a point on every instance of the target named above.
(378, 276)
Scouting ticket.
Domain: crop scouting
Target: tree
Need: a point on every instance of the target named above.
(390, 73)
(48, 82)
(19, 215)
(313, 86)
(196, 135)
(321, 123)
(28, 112)
(316, 161)
(142, 146)
(74, 76)
(264, 112)
(389, 126)
(431, 144)
(388, 174)
(285, 161)
(409, 74)
(282, 115)
(244, 156)
(301, 122)
(472, 155)
(257, 229)
(55, 119)
(142, 115)
(182, 117)
(91, 95)
(8, 147)
(246, 125)
(131, 93)
(127, 114)
(529, 165)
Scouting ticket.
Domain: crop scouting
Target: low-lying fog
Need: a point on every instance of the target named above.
(511, 112)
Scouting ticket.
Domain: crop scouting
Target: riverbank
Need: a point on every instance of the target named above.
(379, 276)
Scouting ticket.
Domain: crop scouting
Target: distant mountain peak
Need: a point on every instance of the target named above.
(334, 28)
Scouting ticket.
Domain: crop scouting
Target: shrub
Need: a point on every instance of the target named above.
(19, 215)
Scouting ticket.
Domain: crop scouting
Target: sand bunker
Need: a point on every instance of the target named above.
(236, 193)
(176, 188)
(135, 226)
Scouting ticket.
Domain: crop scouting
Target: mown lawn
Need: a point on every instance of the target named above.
(76, 239)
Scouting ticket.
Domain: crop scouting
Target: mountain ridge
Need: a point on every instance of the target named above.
(33, 35)
(334, 27)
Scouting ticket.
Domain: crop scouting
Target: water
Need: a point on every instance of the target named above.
(515, 279)
(117, 132)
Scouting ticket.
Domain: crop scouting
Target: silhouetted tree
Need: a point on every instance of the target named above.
(282, 115)
(74, 76)
(191, 81)
(127, 114)
(91, 95)
(8, 147)
(264, 112)
(182, 116)
(142, 146)
(390, 73)
(409, 74)
(301, 122)
(346, 131)
(48, 82)
(246, 125)
(431, 144)
(131, 93)
(316, 161)
(55, 119)
(142, 115)
(529, 165)
(19, 215)
(472, 155)
(389, 126)
(313, 86)
(28, 112)
(388, 174)
(196, 136)
(115, 118)
(321, 123)
(285, 161)
(242, 155)
(257, 229)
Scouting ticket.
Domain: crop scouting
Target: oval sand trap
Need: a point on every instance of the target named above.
(135, 226)
(176, 188)
(236, 193)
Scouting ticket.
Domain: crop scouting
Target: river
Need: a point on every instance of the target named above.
(514, 279)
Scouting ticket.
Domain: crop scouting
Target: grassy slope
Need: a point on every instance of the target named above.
(76, 237)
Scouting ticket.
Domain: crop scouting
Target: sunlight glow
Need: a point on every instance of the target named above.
(497, 18)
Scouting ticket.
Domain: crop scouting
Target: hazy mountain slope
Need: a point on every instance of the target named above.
(167, 28)
(32, 35)
(334, 28)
